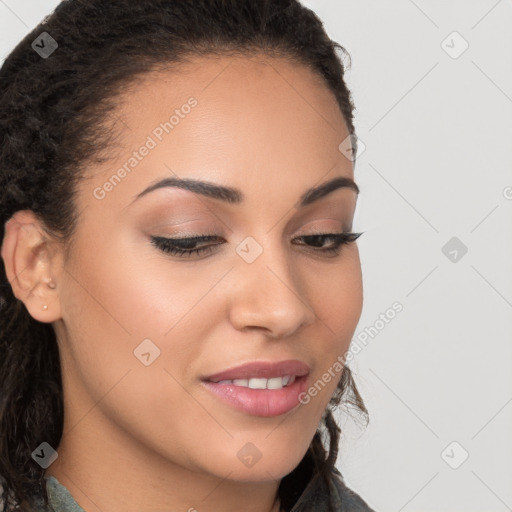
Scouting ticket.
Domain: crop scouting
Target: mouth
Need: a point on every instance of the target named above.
(259, 371)
(261, 388)
(261, 383)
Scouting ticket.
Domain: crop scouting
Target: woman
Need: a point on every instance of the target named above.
(180, 281)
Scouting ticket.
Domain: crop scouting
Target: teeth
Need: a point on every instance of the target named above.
(275, 383)
(259, 383)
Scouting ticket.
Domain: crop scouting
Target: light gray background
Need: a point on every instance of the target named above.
(437, 164)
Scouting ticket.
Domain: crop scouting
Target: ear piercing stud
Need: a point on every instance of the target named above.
(51, 285)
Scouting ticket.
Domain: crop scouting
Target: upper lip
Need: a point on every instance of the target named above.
(262, 369)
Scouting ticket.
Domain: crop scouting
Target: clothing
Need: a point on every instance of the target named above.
(312, 499)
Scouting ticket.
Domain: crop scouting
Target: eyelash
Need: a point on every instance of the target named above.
(175, 246)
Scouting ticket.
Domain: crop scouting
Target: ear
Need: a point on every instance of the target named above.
(33, 262)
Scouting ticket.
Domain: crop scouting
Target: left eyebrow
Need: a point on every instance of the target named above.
(236, 196)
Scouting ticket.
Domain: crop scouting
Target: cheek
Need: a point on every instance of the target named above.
(338, 302)
(111, 305)
(122, 290)
(125, 293)
(336, 294)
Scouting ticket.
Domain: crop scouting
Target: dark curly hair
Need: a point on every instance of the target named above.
(56, 117)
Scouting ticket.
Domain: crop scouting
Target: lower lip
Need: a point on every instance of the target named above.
(260, 402)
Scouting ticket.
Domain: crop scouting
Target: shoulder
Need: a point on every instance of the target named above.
(344, 498)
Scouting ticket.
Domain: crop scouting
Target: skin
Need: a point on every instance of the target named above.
(135, 432)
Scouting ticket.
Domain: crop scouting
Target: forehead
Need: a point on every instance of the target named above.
(252, 96)
(252, 122)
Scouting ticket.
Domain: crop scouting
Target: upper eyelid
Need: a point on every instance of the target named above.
(213, 235)
(219, 240)
(200, 232)
(209, 238)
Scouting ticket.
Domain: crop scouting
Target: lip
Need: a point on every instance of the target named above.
(260, 402)
(262, 369)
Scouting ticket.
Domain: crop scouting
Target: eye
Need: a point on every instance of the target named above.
(187, 247)
(184, 247)
(339, 240)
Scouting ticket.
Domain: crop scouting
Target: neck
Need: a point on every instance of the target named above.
(116, 472)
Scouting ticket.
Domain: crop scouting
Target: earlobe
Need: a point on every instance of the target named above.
(31, 263)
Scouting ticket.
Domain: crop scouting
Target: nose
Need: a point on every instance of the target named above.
(270, 294)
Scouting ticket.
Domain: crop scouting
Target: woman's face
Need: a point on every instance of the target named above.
(142, 330)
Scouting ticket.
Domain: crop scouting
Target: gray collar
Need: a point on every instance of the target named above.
(312, 499)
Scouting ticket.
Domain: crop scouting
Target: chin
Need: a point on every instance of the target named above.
(271, 471)
(270, 463)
